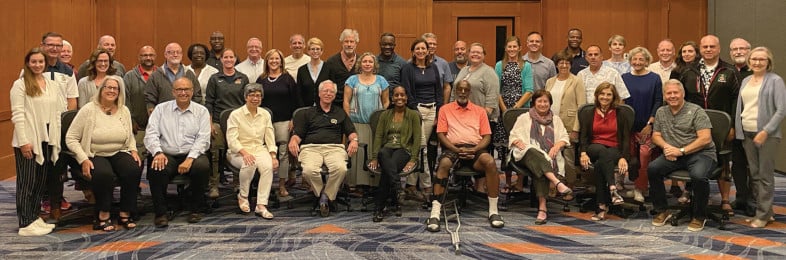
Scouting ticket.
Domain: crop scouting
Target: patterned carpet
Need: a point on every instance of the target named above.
(295, 234)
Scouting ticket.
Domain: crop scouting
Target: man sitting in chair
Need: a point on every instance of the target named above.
(683, 131)
(317, 139)
(464, 131)
(178, 135)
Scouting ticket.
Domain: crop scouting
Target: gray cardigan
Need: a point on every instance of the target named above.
(771, 108)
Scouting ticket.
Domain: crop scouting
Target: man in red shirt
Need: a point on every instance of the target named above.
(464, 131)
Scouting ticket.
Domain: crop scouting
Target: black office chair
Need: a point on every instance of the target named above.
(586, 201)
(721, 125)
(223, 119)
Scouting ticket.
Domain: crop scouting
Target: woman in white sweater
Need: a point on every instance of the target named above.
(102, 142)
(36, 106)
(536, 141)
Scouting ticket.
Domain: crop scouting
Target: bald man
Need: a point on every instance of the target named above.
(108, 43)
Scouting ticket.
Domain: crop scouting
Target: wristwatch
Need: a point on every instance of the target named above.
(682, 150)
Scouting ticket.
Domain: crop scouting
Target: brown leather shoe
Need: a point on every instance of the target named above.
(54, 216)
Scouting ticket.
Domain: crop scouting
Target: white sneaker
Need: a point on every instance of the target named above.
(41, 223)
(34, 230)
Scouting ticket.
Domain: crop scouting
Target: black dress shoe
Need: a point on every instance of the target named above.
(194, 218)
(161, 221)
(397, 210)
(379, 215)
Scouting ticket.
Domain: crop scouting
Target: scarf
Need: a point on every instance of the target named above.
(545, 139)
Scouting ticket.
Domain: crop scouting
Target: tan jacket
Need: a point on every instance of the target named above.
(572, 98)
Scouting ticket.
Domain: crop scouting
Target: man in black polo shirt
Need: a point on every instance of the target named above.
(574, 50)
(317, 139)
(342, 65)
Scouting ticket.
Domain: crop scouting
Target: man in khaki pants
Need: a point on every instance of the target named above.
(317, 140)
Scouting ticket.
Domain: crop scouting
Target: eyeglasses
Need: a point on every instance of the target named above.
(254, 95)
(740, 49)
(174, 52)
(183, 90)
(315, 49)
(51, 45)
(112, 88)
(759, 60)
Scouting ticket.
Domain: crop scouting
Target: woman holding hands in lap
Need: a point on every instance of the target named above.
(103, 143)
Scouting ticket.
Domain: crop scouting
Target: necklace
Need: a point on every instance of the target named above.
(107, 110)
(272, 79)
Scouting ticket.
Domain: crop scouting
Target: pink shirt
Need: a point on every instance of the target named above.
(463, 125)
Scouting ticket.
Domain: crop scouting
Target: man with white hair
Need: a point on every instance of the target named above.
(254, 65)
(342, 65)
(106, 42)
(738, 50)
(158, 88)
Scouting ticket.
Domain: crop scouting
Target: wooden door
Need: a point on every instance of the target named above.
(489, 31)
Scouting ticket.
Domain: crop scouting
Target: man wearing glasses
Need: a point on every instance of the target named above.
(159, 86)
(253, 66)
(52, 44)
(178, 135)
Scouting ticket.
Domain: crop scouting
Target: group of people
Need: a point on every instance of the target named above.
(168, 120)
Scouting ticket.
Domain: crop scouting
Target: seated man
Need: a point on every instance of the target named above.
(682, 130)
(317, 140)
(464, 131)
(178, 135)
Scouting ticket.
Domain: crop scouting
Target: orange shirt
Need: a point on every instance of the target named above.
(463, 125)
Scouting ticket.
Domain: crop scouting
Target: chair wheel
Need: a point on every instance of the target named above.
(674, 222)
(653, 212)
(565, 208)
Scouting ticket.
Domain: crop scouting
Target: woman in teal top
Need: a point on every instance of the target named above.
(515, 82)
(364, 93)
(396, 146)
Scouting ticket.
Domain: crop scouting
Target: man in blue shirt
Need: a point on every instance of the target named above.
(178, 135)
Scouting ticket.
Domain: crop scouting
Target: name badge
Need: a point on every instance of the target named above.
(238, 81)
(722, 78)
(333, 121)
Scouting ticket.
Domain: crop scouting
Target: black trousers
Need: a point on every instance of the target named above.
(122, 168)
(604, 159)
(391, 162)
(199, 172)
(31, 180)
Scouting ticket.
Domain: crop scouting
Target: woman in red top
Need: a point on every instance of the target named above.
(603, 140)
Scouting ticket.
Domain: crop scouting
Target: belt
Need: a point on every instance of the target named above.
(427, 105)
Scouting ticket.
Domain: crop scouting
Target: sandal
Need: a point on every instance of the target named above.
(616, 199)
(127, 223)
(541, 221)
(242, 202)
(264, 213)
(726, 206)
(282, 192)
(566, 195)
(600, 215)
(105, 225)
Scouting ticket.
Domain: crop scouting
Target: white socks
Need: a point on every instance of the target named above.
(435, 209)
(493, 206)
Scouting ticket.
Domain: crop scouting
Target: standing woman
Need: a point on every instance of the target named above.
(311, 74)
(395, 149)
(760, 111)
(424, 93)
(98, 68)
(618, 61)
(197, 53)
(282, 96)
(568, 95)
(36, 106)
(252, 147)
(646, 96)
(224, 91)
(364, 93)
(515, 81)
(604, 140)
(103, 142)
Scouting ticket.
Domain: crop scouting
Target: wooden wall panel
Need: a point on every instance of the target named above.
(365, 18)
(326, 19)
(394, 12)
(210, 16)
(251, 20)
(138, 23)
(173, 23)
(289, 17)
(6, 151)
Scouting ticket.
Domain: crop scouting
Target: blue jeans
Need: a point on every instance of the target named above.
(700, 166)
